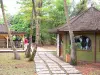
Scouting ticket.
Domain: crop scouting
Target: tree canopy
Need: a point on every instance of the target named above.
(52, 15)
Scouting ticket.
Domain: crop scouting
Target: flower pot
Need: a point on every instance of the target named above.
(68, 58)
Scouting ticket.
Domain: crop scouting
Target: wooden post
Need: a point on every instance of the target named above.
(58, 45)
(95, 47)
(64, 45)
(23, 42)
(7, 41)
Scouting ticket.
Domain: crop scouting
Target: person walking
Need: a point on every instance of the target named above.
(25, 43)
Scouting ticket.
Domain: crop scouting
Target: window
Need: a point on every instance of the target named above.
(83, 42)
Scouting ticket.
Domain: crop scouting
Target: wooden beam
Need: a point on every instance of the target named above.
(7, 41)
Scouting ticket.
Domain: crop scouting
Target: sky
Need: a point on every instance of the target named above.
(11, 6)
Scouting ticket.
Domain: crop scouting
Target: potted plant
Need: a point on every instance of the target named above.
(68, 54)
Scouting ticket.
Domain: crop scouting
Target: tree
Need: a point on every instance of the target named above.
(81, 6)
(71, 34)
(49, 19)
(21, 21)
(16, 55)
(37, 4)
(28, 54)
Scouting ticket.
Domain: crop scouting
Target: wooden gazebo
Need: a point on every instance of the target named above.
(4, 38)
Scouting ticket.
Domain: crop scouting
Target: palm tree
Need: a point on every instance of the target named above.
(71, 34)
(16, 55)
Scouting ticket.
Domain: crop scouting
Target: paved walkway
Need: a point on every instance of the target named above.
(48, 64)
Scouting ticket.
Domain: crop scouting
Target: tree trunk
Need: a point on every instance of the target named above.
(16, 55)
(28, 51)
(37, 21)
(71, 34)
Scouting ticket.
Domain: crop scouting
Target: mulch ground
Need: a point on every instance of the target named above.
(87, 68)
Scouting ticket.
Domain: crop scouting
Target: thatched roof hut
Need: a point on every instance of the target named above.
(87, 27)
(89, 20)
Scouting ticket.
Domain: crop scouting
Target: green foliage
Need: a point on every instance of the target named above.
(96, 5)
(52, 16)
(68, 51)
(81, 6)
(1, 21)
(18, 23)
(78, 45)
(76, 9)
(73, 62)
(21, 21)
(8, 16)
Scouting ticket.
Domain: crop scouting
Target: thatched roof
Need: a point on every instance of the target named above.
(3, 30)
(89, 20)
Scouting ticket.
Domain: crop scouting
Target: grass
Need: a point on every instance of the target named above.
(9, 66)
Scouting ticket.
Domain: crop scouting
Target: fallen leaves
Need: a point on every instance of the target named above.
(89, 68)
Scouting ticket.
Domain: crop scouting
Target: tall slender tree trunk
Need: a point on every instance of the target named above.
(37, 22)
(28, 51)
(16, 55)
(71, 34)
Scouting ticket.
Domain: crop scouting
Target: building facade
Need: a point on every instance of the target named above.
(86, 28)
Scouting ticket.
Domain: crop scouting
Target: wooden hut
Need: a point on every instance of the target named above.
(4, 38)
(86, 28)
